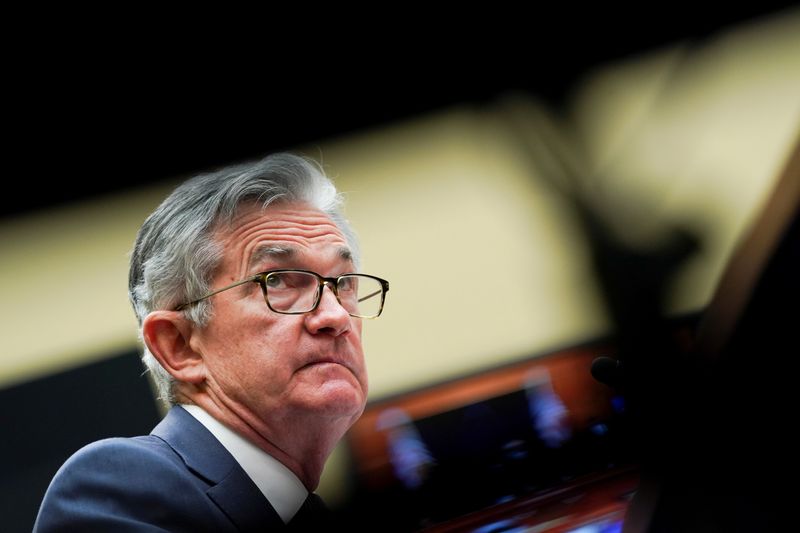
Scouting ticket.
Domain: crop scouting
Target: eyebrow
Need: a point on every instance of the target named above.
(345, 253)
(271, 252)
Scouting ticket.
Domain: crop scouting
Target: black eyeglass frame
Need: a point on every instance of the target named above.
(333, 283)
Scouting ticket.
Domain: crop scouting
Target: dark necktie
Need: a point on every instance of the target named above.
(311, 516)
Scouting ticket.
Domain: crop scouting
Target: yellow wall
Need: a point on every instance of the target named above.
(697, 135)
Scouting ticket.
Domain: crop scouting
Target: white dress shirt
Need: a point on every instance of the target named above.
(280, 486)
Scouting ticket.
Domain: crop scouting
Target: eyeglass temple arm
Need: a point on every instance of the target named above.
(370, 295)
(181, 307)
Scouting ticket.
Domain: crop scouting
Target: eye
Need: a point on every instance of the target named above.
(276, 280)
(348, 283)
(291, 280)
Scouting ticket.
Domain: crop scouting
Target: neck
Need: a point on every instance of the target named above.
(303, 444)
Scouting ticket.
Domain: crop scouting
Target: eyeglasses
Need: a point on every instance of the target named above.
(294, 292)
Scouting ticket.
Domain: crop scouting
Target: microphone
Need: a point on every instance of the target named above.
(608, 371)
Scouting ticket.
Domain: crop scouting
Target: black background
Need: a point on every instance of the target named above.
(105, 109)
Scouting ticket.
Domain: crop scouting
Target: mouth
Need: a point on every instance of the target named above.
(329, 370)
(323, 361)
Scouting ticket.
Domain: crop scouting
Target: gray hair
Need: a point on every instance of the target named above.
(175, 254)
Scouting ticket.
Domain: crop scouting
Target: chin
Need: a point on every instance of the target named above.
(340, 400)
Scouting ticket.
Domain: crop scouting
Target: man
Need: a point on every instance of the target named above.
(250, 312)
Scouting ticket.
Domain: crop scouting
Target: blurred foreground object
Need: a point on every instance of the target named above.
(722, 467)
(692, 403)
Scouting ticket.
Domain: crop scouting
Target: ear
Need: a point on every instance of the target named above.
(167, 335)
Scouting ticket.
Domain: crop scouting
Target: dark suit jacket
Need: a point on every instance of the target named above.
(178, 478)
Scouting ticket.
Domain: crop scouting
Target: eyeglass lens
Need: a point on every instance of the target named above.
(296, 292)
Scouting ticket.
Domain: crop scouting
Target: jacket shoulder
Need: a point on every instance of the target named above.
(121, 484)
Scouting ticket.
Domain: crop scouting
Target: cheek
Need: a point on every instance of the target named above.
(247, 357)
(360, 351)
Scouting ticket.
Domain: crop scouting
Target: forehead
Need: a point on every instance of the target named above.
(295, 227)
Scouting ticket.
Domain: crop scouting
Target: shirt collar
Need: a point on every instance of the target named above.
(280, 486)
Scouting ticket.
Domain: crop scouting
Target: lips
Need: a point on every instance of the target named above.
(343, 356)
(325, 360)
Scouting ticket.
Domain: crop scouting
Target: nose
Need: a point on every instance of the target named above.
(329, 317)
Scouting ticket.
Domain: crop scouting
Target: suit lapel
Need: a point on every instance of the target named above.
(230, 487)
(240, 499)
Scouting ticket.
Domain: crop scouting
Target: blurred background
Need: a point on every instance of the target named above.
(452, 161)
